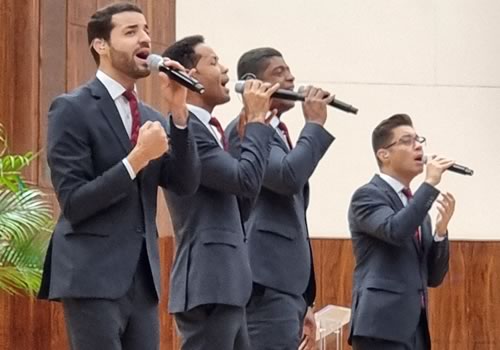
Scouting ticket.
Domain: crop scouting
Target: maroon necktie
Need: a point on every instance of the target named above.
(407, 192)
(215, 122)
(409, 195)
(136, 118)
(284, 130)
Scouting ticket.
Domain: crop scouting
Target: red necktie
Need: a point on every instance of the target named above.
(136, 118)
(215, 122)
(407, 192)
(284, 130)
(409, 195)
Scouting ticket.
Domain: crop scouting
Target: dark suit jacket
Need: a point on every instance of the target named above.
(392, 269)
(105, 216)
(278, 237)
(211, 263)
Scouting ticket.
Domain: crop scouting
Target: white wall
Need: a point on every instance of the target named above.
(436, 60)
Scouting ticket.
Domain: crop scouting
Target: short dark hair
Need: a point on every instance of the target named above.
(182, 51)
(256, 61)
(383, 132)
(100, 24)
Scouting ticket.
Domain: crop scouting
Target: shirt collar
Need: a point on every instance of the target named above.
(274, 122)
(200, 113)
(115, 89)
(395, 184)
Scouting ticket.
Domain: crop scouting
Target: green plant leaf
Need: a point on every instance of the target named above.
(25, 225)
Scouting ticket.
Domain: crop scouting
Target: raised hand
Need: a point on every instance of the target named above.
(257, 100)
(446, 208)
(242, 121)
(435, 167)
(174, 94)
(152, 143)
(314, 106)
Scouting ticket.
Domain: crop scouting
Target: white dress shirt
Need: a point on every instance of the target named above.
(274, 123)
(116, 90)
(398, 188)
(204, 116)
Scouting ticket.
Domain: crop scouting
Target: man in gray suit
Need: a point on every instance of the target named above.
(397, 255)
(211, 279)
(276, 220)
(108, 153)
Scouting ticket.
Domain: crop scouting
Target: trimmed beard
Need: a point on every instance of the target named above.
(124, 63)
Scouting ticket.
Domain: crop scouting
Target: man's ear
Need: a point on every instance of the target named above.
(193, 72)
(382, 155)
(99, 46)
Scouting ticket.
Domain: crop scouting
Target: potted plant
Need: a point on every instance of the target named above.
(25, 224)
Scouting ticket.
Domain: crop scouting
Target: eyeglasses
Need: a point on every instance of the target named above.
(408, 140)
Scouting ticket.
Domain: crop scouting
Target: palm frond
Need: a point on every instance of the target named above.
(10, 170)
(26, 252)
(3, 140)
(13, 280)
(22, 214)
(25, 225)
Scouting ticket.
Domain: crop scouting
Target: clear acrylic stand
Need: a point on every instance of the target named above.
(330, 320)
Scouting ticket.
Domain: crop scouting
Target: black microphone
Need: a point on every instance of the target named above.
(155, 62)
(456, 168)
(294, 96)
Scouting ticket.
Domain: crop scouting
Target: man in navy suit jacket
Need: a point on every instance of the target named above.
(280, 309)
(108, 153)
(397, 254)
(211, 280)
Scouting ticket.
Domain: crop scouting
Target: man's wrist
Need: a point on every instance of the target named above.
(137, 160)
(179, 116)
(319, 122)
(431, 182)
(256, 117)
(441, 232)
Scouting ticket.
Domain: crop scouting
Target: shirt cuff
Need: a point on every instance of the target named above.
(438, 238)
(180, 127)
(129, 168)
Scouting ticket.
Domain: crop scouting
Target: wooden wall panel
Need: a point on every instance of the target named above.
(80, 66)
(7, 61)
(52, 71)
(464, 310)
(19, 75)
(79, 11)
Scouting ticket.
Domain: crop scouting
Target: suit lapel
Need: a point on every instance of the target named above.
(282, 142)
(397, 205)
(202, 126)
(108, 109)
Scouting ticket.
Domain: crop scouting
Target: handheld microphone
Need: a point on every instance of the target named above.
(155, 62)
(294, 96)
(456, 168)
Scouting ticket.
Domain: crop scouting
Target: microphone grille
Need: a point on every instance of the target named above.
(154, 61)
(239, 86)
(424, 159)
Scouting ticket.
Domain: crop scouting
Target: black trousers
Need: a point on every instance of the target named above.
(419, 341)
(275, 319)
(128, 323)
(213, 327)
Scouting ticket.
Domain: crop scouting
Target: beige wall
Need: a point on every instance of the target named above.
(437, 60)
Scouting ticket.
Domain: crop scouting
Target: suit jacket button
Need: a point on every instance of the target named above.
(139, 230)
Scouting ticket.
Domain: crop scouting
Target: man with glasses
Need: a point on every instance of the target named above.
(397, 254)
